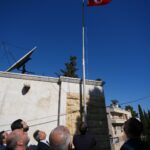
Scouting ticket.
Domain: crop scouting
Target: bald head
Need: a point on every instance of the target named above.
(60, 138)
(17, 140)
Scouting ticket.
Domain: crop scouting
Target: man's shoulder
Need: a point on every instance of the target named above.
(135, 144)
(42, 145)
(32, 147)
(84, 138)
(2, 147)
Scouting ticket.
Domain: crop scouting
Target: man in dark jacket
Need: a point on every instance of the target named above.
(40, 137)
(84, 141)
(19, 124)
(17, 140)
(133, 129)
(60, 138)
(3, 138)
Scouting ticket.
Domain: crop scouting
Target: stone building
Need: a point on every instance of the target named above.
(45, 102)
(116, 117)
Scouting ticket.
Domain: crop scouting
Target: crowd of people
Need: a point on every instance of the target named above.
(60, 138)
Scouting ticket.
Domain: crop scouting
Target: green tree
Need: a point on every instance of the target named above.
(141, 114)
(114, 102)
(144, 117)
(133, 112)
(149, 114)
(70, 68)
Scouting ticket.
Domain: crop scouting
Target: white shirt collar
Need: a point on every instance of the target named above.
(44, 141)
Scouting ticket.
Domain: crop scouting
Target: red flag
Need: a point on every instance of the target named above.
(98, 2)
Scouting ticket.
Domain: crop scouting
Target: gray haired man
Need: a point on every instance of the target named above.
(60, 138)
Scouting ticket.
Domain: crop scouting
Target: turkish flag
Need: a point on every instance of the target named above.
(98, 2)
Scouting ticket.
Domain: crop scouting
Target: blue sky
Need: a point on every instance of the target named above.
(116, 40)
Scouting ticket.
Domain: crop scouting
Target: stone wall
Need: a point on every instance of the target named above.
(73, 112)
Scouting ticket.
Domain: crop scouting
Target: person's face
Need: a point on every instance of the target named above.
(25, 126)
(42, 135)
(22, 139)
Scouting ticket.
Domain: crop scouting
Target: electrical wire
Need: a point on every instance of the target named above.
(15, 46)
(139, 99)
(3, 125)
(6, 52)
(129, 102)
(41, 123)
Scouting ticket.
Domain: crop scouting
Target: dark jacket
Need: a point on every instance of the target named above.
(2, 147)
(42, 146)
(135, 144)
(84, 142)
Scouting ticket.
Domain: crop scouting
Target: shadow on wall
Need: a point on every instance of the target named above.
(96, 118)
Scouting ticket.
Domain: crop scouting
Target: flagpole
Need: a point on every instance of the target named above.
(83, 63)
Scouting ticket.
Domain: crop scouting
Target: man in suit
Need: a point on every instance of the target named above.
(133, 129)
(60, 138)
(19, 124)
(40, 137)
(3, 138)
(17, 140)
(84, 141)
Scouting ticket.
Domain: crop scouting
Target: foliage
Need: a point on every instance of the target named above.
(133, 112)
(98, 79)
(70, 68)
(114, 102)
(145, 119)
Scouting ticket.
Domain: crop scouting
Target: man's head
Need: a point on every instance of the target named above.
(133, 128)
(3, 137)
(83, 128)
(19, 124)
(39, 135)
(17, 140)
(60, 138)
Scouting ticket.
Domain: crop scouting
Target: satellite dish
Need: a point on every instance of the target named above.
(21, 62)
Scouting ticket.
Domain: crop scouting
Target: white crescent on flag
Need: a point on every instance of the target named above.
(98, 2)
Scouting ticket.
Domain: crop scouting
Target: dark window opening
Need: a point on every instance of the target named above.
(25, 89)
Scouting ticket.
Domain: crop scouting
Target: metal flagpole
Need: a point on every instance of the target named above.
(83, 63)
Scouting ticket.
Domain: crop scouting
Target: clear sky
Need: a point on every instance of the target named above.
(117, 41)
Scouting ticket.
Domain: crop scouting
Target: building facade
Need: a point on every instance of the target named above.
(46, 102)
(116, 117)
